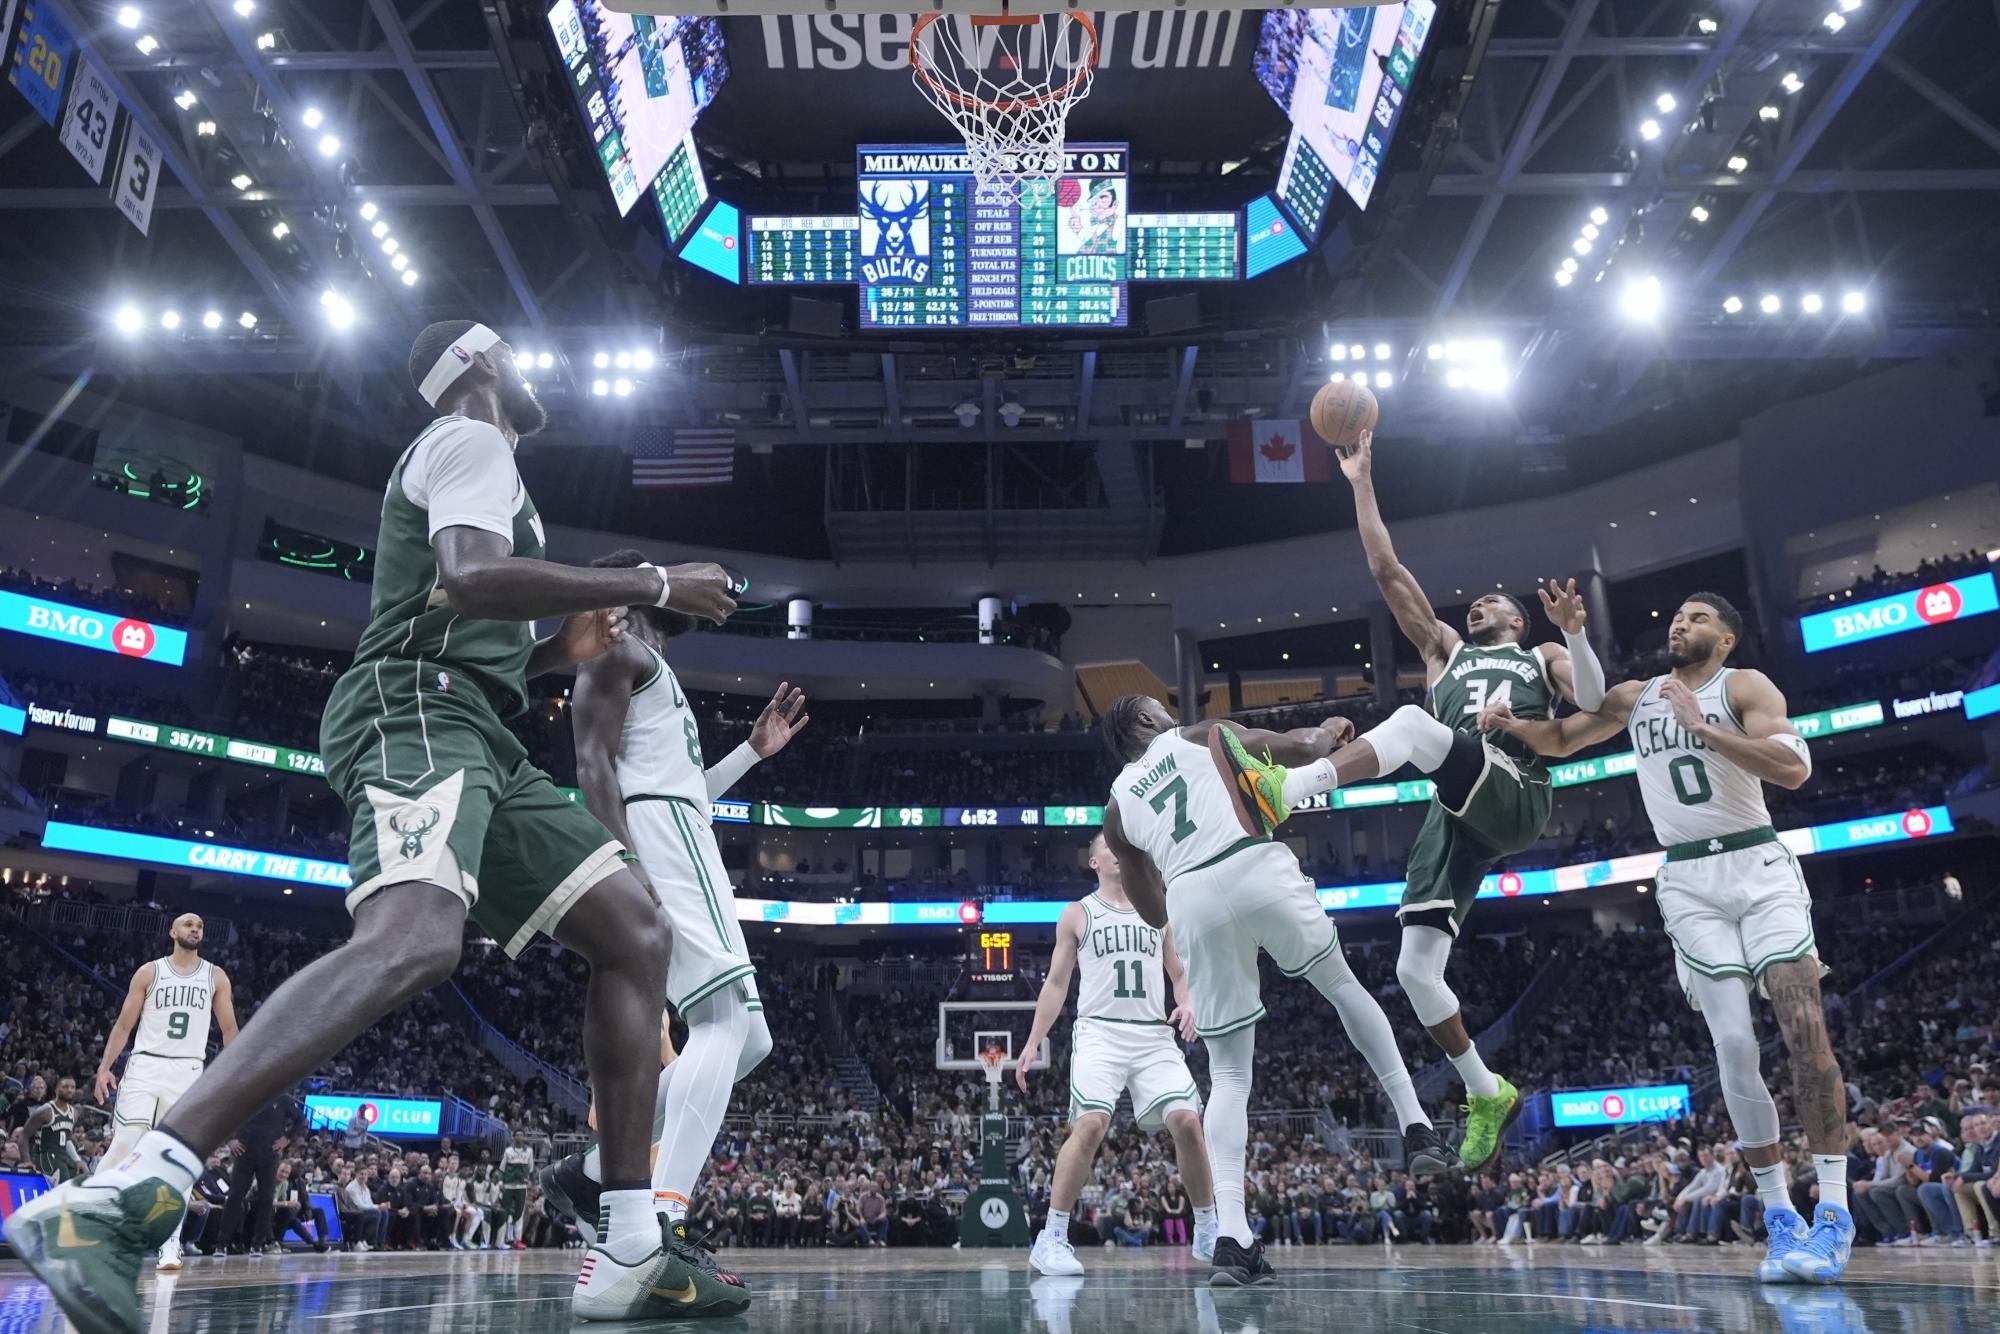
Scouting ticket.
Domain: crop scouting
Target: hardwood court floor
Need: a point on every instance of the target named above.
(1438, 1290)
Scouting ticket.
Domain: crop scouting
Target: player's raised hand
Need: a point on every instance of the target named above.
(589, 634)
(1183, 1021)
(1496, 715)
(701, 588)
(782, 719)
(1563, 605)
(105, 1085)
(1021, 1064)
(1356, 459)
(1687, 709)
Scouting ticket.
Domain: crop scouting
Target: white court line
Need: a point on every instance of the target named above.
(431, 1306)
(1519, 1296)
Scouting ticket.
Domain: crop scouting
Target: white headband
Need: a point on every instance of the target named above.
(454, 361)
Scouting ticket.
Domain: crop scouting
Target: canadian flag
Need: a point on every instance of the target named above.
(1261, 450)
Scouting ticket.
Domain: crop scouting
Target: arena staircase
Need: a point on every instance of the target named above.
(565, 1090)
(855, 1080)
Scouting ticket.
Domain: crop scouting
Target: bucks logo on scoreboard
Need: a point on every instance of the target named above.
(895, 231)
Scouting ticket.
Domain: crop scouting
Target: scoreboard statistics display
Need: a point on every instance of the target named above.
(1342, 76)
(681, 189)
(809, 249)
(1184, 247)
(932, 255)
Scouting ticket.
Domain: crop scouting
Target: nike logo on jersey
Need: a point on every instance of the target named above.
(1773, 861)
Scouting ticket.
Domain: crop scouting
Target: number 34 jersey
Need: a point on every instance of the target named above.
(1480, 674)
(1174, 808)
(1691, 792)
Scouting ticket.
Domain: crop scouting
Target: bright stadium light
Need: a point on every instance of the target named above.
(129, 16)
(1769, 303)
(1738, 164)
(601, 360)
(247, 320)
(1564, 278)
(1666, 102)
(1340, 377)
(128, 319)
(211, 319)
(399, 263)
(339, 311)
(147, 44)
(1853, 303)
(1454, 350)
(1454, 378)
(409, 277)
(1649, 129)
(267, 41)
(1569, 265)
(1487, 351)
(545, 361)
(1435, 351)
(1641, 298)
(1849, 6)
(1769, 112)
(1356, 351)
(600, 387)
(329, 145)
(391, 246)
(281, 229)
(1383, 379)
(1338, 352)
(1707, 26)
(185, 99)
(1487, 379)
(312, 117)
(1581, 245)
(368, 210)
(622, 387)
(1811, 303)
(1599, 215)
(623, 361)
(1699, 213)
(1590, 232)
(1834, 22)
(642, 359)
(379, 230)
(241, 180)
(245, 8)
(1732, 304)
(170, 319)
(204, 129)
(1791, 83)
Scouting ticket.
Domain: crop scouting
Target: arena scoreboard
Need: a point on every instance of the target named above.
(994, 961)
(1185, 247)
(809, 249)
(681, 189)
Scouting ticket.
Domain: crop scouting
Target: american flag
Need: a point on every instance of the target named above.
(690, 456)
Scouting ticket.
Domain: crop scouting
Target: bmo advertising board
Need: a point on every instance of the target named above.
(417, 1117)
(92, 629)
(1917, 609)
(1620, 1107)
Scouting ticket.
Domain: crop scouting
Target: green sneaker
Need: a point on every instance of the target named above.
(1256, 787)
(718, 1291)
(87, 1243)
(1486, 1120)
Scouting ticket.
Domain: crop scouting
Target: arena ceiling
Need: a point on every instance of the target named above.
(1874, 171)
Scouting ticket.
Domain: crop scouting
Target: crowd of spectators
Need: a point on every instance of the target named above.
(104, 598)
(1878, 581)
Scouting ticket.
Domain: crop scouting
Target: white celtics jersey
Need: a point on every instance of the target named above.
(1691, 792)
(1174, 807)
(659, 752)
(1118, 958)
(174, 1020)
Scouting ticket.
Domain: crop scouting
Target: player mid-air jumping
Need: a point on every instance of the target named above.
(1124, 1039)
(639, 762)
(1492, 797)
(170, 1003)
(1708, 736)
(449, 817)
(1171, 822)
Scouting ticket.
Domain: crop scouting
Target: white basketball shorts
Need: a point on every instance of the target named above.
(1110, 1057)
(1734, 914)
(677, 850)
(1223, 913)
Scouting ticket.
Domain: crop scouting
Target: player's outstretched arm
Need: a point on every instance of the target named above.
(782, 719)
(484, 580)
(1055, 989)
(1573, 666)
(1142, 879)
(1771, 748)
(1558, 737)
(225, 1007)
(598, 706)
(1407, 601)
(106, 1083)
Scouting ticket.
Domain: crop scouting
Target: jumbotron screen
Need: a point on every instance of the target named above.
(1341, 76)
(641, 83)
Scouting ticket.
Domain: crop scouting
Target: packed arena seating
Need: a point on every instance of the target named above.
(1935, 570)
(117, 601)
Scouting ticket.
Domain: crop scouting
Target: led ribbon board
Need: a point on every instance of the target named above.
(1621, 1107)
(79, 626)
(1900, 613)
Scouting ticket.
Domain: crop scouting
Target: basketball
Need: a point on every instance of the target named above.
(1341, 411)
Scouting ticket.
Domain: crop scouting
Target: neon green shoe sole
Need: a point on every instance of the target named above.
(1256, 789)
(87, 1244)
(1486, 1121)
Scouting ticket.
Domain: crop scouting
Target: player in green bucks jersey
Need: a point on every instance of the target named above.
(51, 1131)
(1491, 796)
(450, 820)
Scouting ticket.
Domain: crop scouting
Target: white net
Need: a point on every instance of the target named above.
(1008, 85)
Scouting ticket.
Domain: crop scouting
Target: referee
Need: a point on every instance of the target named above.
(259, 1141)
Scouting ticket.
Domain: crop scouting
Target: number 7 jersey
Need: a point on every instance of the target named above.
(1174, 808)
(1692, 792)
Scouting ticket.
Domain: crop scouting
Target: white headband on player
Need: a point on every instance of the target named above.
(454, 361)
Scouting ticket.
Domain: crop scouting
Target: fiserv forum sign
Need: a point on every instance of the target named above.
(123, 635)
(1915, 609)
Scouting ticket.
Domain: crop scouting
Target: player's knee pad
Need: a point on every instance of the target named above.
(1410, 736)
(756, 1045)
(1420, 971)
(1738, 1059)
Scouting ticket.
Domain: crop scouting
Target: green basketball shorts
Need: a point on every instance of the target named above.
(440, 791)
(1504, 813)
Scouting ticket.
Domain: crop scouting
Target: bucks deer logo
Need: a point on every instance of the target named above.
(413, 822)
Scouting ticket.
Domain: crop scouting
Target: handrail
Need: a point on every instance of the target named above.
(565, 1089)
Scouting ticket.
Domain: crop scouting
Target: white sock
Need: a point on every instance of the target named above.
(1368, 1029)
(1771, 1186)
(158, 1156)
(1832, 1169)
(626, 1224)
(1058, 1224)
(1227, 1125)
(697, 1097)
(1479, 1081)
(1308, 781)
(1204, 1214)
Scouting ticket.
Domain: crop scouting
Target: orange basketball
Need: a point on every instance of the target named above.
(1341, 411)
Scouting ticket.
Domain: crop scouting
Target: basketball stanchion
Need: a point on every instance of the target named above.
(994, 1214)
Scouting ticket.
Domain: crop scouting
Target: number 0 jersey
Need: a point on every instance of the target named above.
(174, 1020)
(1174, 808)
(1691, 792)
(1118, 957)
(1476, 675)
(659, 752)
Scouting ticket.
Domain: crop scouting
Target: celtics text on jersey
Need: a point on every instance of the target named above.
(659, 750)
(1122, 979)
(1476, 675)
(174, 1021)
(1690, 791)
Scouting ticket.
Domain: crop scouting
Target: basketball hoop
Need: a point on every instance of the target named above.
(1007, 82)
(993, 1058)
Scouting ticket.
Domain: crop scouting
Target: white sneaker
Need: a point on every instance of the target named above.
(1053, 1255)
(362, 1248)
(1205, 1237)
(170, 1256)
(609, 1289)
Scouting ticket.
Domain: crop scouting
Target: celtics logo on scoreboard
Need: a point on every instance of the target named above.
(1090, 228)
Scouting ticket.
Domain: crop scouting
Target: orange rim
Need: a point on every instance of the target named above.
(1002, 21)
